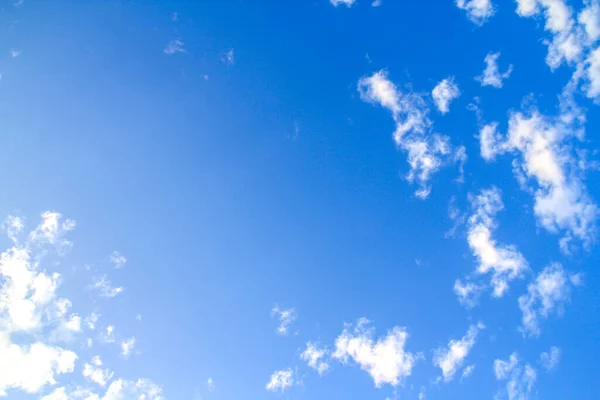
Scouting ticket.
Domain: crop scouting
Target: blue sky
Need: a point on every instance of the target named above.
(299, 200)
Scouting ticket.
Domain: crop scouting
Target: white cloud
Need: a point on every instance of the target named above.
(57, 394)
(385, 358)
(174, 46)
(14, 53)
(376, 3)
(109, 335)
(491, 74)
(489, 141)
(229, 57)
(519, 379)
(105, 288)
(31, 367)
(443, 94)
(210, 384)
(315, 357)
(285, 317)
(117, 259)
(427, 151)
(548, 293)
(13, 226)
(550, 359)
(504, 262)
(478, 11)
(589, 18)
(94, 372)
(142, 389)
(127, 346)
(281, 380)
(592, 72)
(468, 293)
(451, 358)
(547, 158)
(347, 3)
(468, 371)
(91, 320)
(52, 229)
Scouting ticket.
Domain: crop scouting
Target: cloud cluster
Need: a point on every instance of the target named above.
(573, 39)
(316, 358)
(285, 317)
(551, 358)
(451, 358)
(491, 75)
(546, 165)
(385, 358)
(548, 293)
(478, 11)
(281, 380)
(519, 379)
(444, 93)
(427, 151)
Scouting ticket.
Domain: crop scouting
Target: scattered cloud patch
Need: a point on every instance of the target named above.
(127, 347)
(504, 262)
(52, 230)
(105, 288)
(347, 3)
(468, 371)
(427, 151)
(281, 381)
(451, 358)
(174, 46)
(315, 357)
(93, 371)
(444, 93)
(384, 358)
(478, 11)
(13, 226)
(229, 57)
(550, 359)
(519, 379)
(285, 317)
(547, 294)
(117, 260)
(491, 75)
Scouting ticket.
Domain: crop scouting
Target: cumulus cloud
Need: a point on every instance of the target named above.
(13, 226)
(127, 346)
(451, 358)
(174, 46)
(547, 294)
(94, 372)
(551, 358)
(347, 3)
(545, 158)
(52, 230)
(468, 292)
(33, 317)
(427, 151)
(117, 260)
(519, 379)
(491, 75)
(315, 357)
(504, 262)
(444, 93)
(384, 358)
(468, 371)
(105, 288)
(281, 381)
(285, 317)
(478, 11)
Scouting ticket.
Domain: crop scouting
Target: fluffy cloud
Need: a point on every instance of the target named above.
(451, 358)
(315, 357)
(347, 3)
(548, 293)
(491, 75)
(285, 317)
(117, 259)
(281, 380)
(94, 372)
(13, 226)
(427, 151)
(478, 11)
(468, 293)
(519, 379)
(385, 358)
(546, 158)
(127, 346)
(550, 359)
(52, 230)
(443, 94)
(504, 262)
